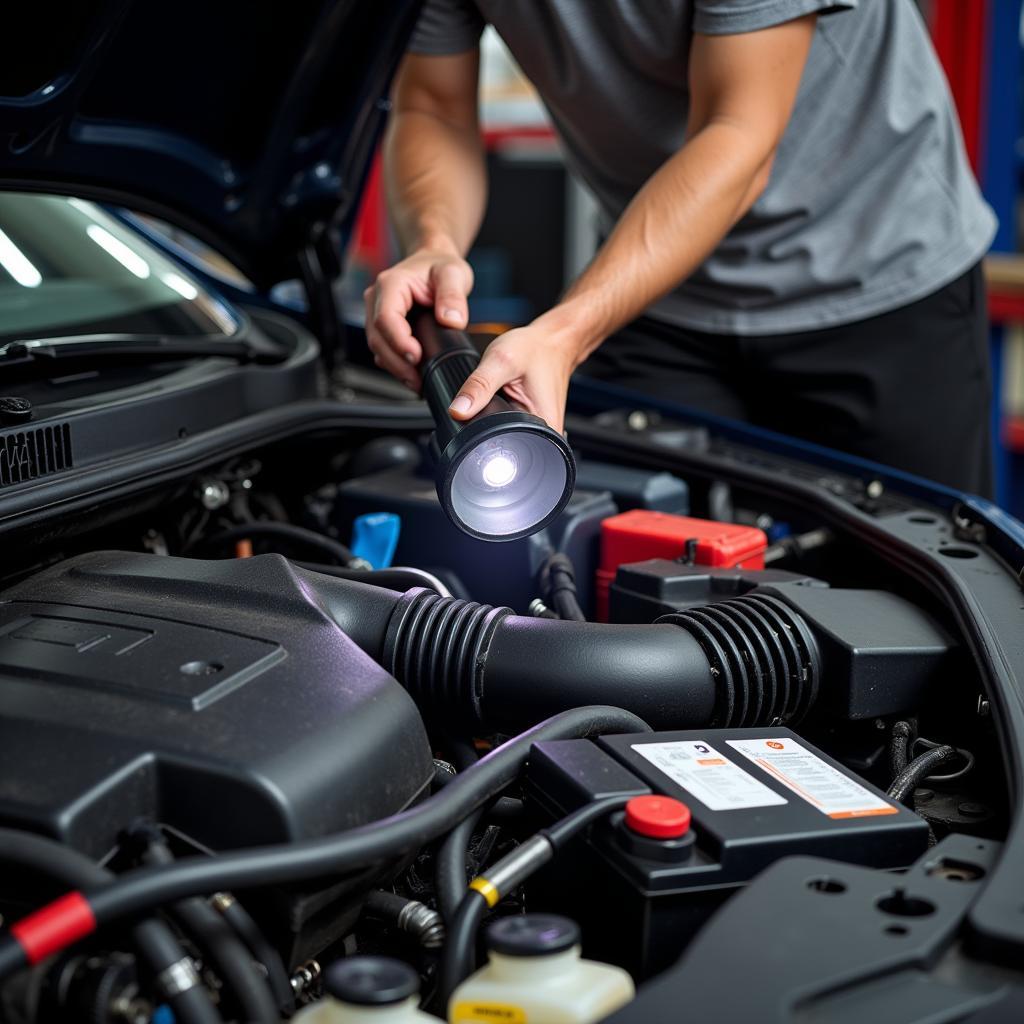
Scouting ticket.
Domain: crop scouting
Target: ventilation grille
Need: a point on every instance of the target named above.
(30, 454)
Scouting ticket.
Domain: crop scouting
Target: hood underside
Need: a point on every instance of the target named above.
(250, 124)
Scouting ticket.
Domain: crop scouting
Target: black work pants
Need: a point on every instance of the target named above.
(910, 388)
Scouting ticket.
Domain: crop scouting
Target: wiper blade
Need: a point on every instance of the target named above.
(111, 347)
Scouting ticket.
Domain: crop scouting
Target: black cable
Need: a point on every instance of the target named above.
(899, 747)
(572, 824)
(558, 587)
(460, 947)
(217, 940)
(464, 754)
(163, 952)
(505, 808)
(450, 869)
(144, 889)
(238, 918)
(459, 952)
(288, 532)
(155, 941)
(912, 775)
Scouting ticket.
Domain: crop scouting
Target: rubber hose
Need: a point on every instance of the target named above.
(144, 889)
(288, 532)
(558, 585)
(238, 918)
(923, 765)
(899, 747)
(460, 947)
(226, 952)
(459, 955)
(745, 661)
(450, 870)
(426, 926)
(155, 941)
(159, 946)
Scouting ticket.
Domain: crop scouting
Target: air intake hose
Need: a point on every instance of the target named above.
(747, 661)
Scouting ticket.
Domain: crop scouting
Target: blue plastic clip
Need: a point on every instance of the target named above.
(375, 537)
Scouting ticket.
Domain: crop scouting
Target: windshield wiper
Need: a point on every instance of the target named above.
(111, 347)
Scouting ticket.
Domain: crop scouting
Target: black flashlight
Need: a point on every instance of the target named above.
(505, 473)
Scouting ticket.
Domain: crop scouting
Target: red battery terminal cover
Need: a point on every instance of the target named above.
(640, 535)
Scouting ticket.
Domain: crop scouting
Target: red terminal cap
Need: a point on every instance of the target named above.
(658, 817)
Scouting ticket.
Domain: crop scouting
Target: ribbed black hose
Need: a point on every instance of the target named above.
(922, 766)
(751, 660)
(145, 889)
(290, 533)
(226, 953)
(154, 940)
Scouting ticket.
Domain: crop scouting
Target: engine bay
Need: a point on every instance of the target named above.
(280, 713)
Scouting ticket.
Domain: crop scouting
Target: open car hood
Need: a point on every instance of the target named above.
(250, 124)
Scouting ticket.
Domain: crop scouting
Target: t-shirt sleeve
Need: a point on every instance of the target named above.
(727, 17)
(446, 27)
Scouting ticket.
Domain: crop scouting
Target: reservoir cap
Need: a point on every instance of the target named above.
(371, 981)
(532, 935)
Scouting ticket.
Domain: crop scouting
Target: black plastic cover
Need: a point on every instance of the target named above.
(216, 698)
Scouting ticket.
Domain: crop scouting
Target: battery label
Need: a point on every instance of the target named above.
(703, 772)
(821, 785)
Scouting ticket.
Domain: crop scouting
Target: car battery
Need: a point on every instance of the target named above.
(710, 810)
(641, 534)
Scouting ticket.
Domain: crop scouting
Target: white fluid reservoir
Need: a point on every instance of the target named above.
(535, 975)
(367, 990)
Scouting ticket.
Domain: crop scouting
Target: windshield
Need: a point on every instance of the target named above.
(69, 268)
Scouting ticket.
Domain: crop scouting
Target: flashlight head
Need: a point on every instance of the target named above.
(505, 475)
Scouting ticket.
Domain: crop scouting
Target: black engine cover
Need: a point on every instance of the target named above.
(215, 698)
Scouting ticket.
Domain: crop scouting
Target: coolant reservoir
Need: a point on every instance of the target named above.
(367, 990)
(535, 975)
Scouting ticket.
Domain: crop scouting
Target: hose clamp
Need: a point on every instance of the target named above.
(177, 978)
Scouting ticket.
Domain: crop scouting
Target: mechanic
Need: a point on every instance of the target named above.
(792, 232)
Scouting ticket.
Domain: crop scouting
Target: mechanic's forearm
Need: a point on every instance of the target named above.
(436, 179)
(669, 229)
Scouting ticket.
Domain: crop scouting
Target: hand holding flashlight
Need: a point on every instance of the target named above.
(502, 472)
(434, 276)
(532, 364)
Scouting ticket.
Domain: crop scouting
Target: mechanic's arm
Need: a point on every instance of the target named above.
(742, 92)
(437, 189)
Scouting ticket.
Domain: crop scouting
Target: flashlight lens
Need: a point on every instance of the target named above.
(506, 485)
(499, 468)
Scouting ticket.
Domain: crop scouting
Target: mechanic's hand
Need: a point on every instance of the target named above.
(532, 364)
(436, 277)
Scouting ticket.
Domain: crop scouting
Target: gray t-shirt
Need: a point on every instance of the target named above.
(871, 203)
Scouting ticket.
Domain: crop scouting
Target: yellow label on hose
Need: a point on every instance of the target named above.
(487, 1013)
(486, 889)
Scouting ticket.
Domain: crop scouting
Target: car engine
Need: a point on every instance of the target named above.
(278, 716)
